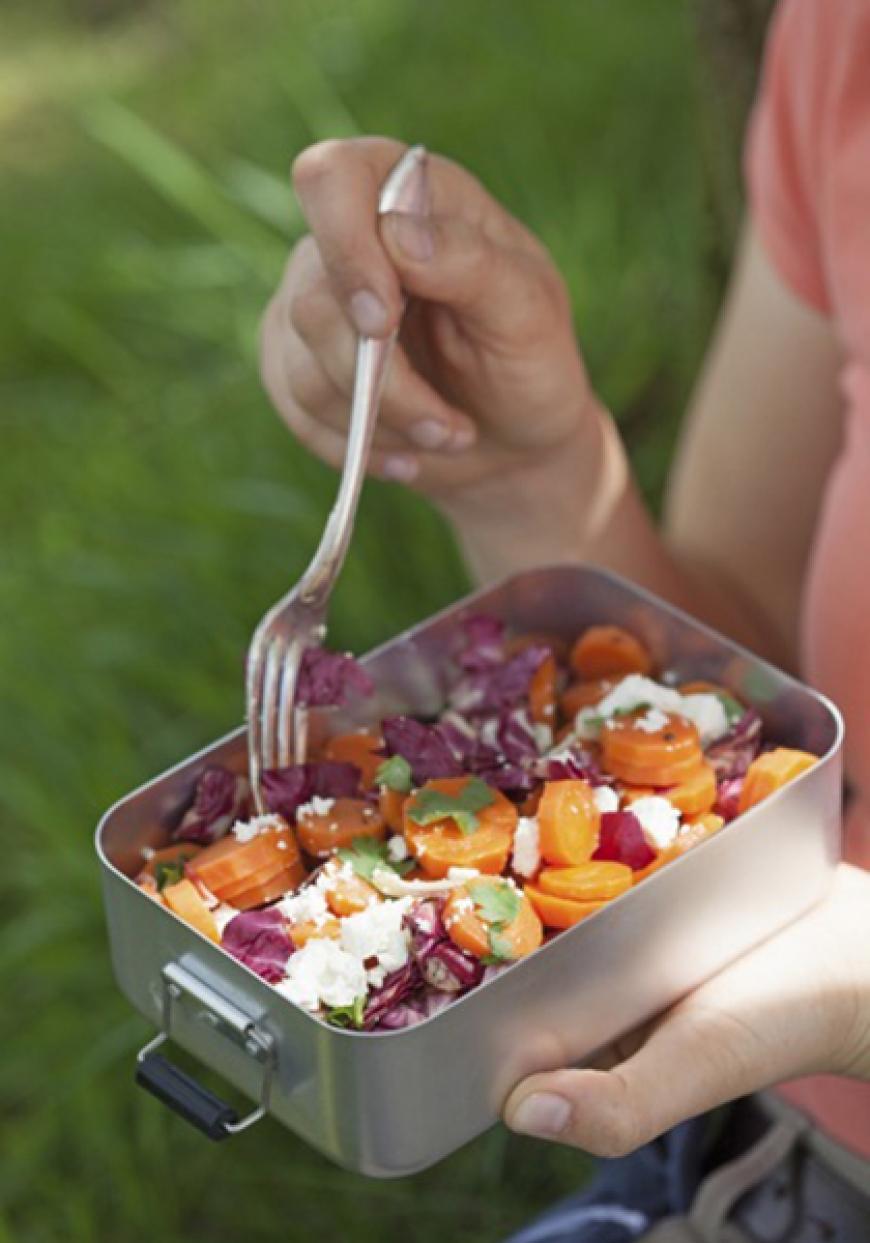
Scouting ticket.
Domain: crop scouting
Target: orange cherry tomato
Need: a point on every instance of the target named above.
(568, 822)
(638, 756)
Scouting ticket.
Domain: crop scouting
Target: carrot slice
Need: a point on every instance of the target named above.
(468, 927)
(590, 882)
(696, 793)
(569, 822)
(442, 845)
(605, 651)
(322, 834)
(288, 860)
(300, 934)
(770, 771)
(228, 863)
(556, 912)
(348, 895)
(700, 687)
(276, 886)
(177, 854)
(584, 695)
(638, 756)
(542, 693)
(360, 748)
(391, 804)
(183, 899)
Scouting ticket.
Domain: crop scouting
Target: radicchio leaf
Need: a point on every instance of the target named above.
(423, 746)
(483, 642)
(570, 763)
(449, 969)
(732, 754)
(220, 799)
(727, 803)
(286, 789)
(622, 840)
(396, 988)
(259, 940)
(493, 688)
(327, 679)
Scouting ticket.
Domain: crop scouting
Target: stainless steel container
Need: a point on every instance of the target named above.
(392, 1103)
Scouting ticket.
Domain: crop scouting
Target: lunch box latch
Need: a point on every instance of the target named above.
(181, 1091)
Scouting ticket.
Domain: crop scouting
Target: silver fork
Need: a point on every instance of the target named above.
(277, 728)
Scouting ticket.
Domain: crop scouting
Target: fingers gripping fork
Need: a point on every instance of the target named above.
(277, 727)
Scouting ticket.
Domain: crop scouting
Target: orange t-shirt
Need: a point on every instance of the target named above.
(808, 173)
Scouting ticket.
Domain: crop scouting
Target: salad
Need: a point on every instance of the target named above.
(406, 863)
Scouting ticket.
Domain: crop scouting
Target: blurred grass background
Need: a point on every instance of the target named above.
(151, 505)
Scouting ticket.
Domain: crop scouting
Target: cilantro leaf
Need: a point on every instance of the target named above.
(431, 805)
(169, 872)
(734, 710)
(501, 949)
(395, 773)
(497, 902)
(348, 1016)
(365, 856)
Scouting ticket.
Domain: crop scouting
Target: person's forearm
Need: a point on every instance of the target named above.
(584, 505)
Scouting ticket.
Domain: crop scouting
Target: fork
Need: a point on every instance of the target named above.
(277, 727)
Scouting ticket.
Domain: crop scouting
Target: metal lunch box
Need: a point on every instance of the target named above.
(392, 1103)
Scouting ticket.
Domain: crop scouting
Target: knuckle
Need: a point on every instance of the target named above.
(316, 162)
(307, 385)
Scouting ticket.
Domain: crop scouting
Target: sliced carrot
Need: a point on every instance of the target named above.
(606, 651)
(770, 771)
(638, 756)
(442, 845)
(348, 895)
(556, 912)
(184, 901)
(704, 688)
(584, 695)
(568, 822)
(696, 793)
(322, 834)
(276, 886)
(542, 693)
(590, 882)
(391, 804)
(149, 885)
(360, 748)
(288, 860)
(179, 853)
(228, 862)
(309, 930)
(468, 929)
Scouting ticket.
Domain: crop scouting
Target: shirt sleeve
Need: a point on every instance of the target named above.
(783, 154)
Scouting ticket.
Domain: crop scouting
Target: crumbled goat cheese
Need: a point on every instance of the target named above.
(397, 849)
(606, 799)
(246, 830)
(317, 806)
(707, 713)
(462, 906)
(460, 875)
(378, 933)
(322, 973)
(659, 820)
(634, 691)
(306, 906)
(543, 736)
(526, 857)
(653, 721)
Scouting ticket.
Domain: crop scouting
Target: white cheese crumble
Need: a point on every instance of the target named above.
(659, 820)
(246, 830)
(636, 690)
(323, 973)
(306, 906)
(316, 806)
(397, 849)
(606, 799)
(653, 721)
(526, 857)
(704, 710)
(543, 734)
(377, 938)
(707, 713)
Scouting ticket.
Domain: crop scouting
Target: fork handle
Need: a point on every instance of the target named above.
(406, 189)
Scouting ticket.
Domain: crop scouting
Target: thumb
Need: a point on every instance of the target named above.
(688, 1065)
(448, 259)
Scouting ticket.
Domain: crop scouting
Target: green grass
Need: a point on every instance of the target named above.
(151, 506)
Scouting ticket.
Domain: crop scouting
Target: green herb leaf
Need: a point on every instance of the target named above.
(169, 872)
(395, 773)
(347, 1016)
(734, 710)
(497, 902)
(500, 947)
(365, 855)
(431, 805)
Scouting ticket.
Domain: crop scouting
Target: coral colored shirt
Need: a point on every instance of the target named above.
(808, 173)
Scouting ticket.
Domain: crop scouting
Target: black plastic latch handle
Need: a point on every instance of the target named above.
(186, 1096)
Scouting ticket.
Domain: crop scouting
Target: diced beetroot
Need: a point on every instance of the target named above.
(622, 840)
(728, 797)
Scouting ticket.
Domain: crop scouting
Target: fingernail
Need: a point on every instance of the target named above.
(413, 235)
(368, 313)
(400, 469)
(541, 1114)
(430, 434)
